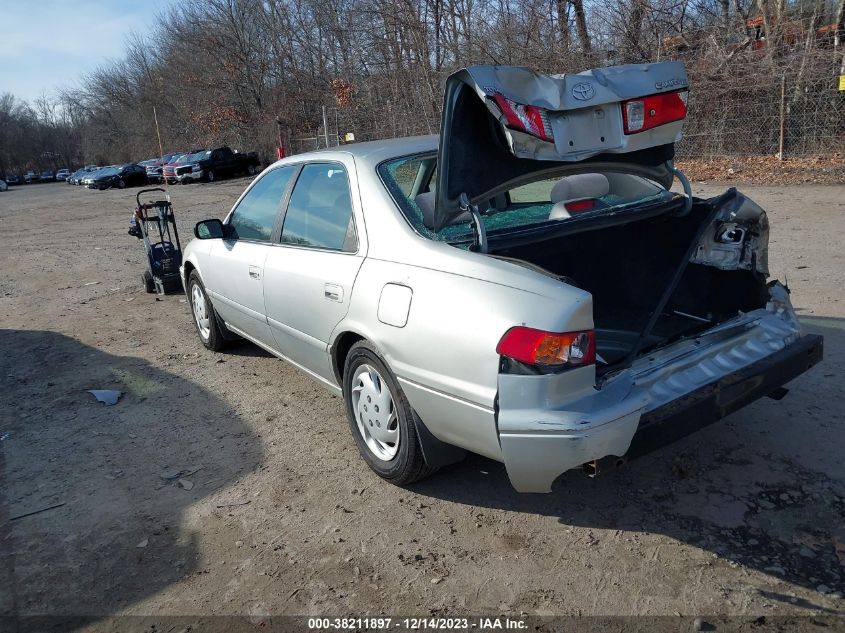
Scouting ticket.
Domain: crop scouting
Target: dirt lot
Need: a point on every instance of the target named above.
(284, 518)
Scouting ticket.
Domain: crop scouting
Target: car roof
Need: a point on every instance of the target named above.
(374, 152)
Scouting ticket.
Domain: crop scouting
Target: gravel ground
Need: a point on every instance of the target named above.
(273, 511)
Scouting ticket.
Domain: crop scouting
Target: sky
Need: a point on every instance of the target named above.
(49, 44)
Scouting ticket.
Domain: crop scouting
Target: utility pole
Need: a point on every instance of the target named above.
(325, 126)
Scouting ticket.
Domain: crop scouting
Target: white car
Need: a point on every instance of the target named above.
(3, 186)
(526, 286)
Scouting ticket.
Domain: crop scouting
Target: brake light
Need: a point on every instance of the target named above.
(579, 206)
(525, 118)
(639, 115)
(549, 349)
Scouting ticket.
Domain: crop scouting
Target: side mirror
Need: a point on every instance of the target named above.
(209, 229)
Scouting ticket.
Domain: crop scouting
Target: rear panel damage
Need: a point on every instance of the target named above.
(546, 427)
(552, 423)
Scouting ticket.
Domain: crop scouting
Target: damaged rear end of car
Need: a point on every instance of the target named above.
(571, 176)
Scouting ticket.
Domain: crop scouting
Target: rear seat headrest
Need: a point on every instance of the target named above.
(425, 201)
(579, 186)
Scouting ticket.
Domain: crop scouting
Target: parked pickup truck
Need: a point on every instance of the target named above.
(217, 163)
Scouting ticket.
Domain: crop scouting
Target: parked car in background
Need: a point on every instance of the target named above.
(155, 167)
(527, 286)
(62, 174)
(190, 169)
(222, 162)
(78, 177)
(130, 175)
(31, 177)
(3, 186)
(47, 176)
(168, 171)
(11, 179)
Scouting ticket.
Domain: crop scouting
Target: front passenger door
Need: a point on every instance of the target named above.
(235, 282)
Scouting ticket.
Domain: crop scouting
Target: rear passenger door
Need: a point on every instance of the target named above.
(310, 271)
(235, 279)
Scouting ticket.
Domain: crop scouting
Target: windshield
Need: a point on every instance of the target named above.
(107, 171)
(199, 156)
(411, 181)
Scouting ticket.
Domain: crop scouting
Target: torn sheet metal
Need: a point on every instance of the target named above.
(739, 239)
(583, 108)
(482, 154)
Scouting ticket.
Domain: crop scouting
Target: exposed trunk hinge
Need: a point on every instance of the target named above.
(685, 184)
(479, 231)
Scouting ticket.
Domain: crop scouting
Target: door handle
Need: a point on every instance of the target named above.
(255, 272)
(333, 292)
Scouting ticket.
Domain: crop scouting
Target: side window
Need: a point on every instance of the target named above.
(255, 214)
(320, 210)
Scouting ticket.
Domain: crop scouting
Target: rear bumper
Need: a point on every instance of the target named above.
(547, 426)
(714, 401)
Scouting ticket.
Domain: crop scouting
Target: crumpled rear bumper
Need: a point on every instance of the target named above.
(545, 430)
(714, 401)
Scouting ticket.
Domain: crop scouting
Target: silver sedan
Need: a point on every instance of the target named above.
(526, 286)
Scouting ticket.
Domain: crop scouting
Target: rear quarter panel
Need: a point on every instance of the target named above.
(445, 355)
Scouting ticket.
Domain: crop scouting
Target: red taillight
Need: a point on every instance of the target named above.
(549, 349)
(526, 118)
(645, 113)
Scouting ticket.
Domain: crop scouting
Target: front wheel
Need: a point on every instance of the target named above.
(205, 318)
(211, 175)
(251, 170)
(381, 418)
(121, 184)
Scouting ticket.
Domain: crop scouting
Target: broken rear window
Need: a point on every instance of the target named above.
(411, 182)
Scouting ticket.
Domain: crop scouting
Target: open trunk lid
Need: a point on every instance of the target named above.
(506, 124)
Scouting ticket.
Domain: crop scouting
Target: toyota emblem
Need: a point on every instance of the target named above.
(583, 91)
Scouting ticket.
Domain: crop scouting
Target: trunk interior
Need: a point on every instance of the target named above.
(627, 268)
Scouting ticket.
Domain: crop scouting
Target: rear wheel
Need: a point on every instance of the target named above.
(205, 318)
(251, 170)
(149, 285)
(381, 418)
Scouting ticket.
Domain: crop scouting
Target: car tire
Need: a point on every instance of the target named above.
(206, 323)
(211, 175)
(149, 284)
(366, 375)
(121, 184)
(250, 170)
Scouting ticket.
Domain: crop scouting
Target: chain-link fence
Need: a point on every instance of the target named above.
(757, 108)
(759, 114)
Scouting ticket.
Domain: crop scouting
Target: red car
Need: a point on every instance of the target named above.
(155, 167)
(169, 170)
